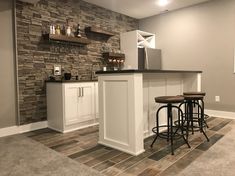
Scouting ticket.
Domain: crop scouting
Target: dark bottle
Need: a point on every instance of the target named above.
(63, 30)
(78, 31)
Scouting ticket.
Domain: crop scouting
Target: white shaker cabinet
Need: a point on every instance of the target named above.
(79, 102)
(71, 106)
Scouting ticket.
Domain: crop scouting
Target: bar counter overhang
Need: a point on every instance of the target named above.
(126, 103)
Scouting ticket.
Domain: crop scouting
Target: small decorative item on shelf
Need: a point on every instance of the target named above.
(78, 31)
(57, 30)
(52, 29)
(63, 30)
(68, 31)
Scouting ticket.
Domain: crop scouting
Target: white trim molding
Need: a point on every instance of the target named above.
(223, 114)
(234, 60)
(22, 128)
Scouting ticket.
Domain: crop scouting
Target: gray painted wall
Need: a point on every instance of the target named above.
(200, 37)
(7, 74)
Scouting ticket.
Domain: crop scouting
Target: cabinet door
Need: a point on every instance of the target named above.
(71, 104)
(86, 103)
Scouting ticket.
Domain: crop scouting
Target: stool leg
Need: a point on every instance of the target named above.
(179, 125)
(202, 120)
(153, 141)
(198, 114)
(168, 126)
(187, 120)
(157, 125)
(182, 126)
(169, 115)
(207, 126)
(157, 132)
(190, 105)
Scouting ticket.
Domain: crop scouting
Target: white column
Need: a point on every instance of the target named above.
(121, 112)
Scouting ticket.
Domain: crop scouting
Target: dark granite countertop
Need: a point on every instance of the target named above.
(69, 81)
(148, 71)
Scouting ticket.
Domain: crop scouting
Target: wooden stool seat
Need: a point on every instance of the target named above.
(194, 93)
(169, 99)
(193, 97)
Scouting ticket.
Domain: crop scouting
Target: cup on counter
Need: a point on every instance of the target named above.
(104, 68)
(67, 76)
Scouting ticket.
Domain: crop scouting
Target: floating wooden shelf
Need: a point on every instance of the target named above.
(93, 29)
(63, 38)
(114, 55)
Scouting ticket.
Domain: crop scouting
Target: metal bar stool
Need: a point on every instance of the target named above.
(192, 101)
(170, 134)
(202, 104)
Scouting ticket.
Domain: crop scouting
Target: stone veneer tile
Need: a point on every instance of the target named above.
(36, 57)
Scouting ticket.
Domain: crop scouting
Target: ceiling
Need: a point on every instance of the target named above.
(142, 8)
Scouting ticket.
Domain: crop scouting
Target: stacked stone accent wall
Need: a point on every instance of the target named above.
(36, 58)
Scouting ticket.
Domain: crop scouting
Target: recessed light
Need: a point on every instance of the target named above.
(163, 2)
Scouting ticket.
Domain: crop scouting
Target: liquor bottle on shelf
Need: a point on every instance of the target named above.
(52, 29)
(57, 30)
(63, 30)
(68, 31)
(78, 31)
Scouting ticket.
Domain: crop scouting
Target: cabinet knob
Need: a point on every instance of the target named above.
(79, 92)
(82, 91)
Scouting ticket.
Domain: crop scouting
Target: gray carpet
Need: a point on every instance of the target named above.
(219, 160)
(21, 156)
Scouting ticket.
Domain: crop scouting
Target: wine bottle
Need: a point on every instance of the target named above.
(78, 31)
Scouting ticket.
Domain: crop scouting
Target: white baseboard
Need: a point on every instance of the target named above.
(81, 127)
(22, 128)
(223, 114)
(33, 126)
(9, 131)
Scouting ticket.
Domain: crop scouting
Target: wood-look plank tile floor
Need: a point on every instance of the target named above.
(81, 145)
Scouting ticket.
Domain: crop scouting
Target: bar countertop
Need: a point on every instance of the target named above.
(147, 71)
(69, 81)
